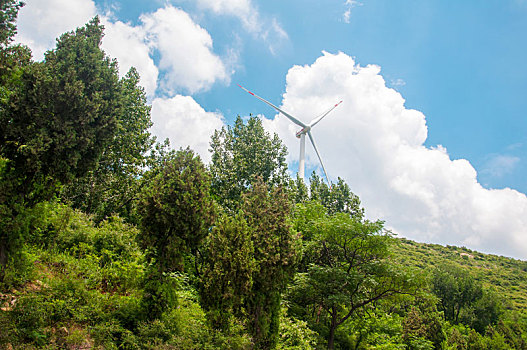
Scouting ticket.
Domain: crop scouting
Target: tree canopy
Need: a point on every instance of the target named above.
(114, 183)
(64, 112)
(348, 270)
(242, 153)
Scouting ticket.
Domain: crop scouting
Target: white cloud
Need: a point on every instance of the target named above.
(185, 49)
(244, 10)
(186, 58)
(398, 82)
(346, 16)
(349, 4)
(128, 44)
(500, 164)
(267, 29)
(377, 145)
(40, 22)
(185, 123)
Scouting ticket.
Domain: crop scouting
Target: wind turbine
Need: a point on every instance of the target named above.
(306, 129)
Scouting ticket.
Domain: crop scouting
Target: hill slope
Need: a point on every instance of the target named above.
(506, 276)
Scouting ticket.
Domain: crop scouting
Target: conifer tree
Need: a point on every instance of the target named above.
(112, 186)
(55, 121)
(276, 252)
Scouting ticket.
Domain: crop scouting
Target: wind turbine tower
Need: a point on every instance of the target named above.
(301, 134)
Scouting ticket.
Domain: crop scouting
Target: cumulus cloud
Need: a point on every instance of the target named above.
(128, 44)
(377, 145)
(267, 29)
(185, 49)
(185, 123)
(40, 22)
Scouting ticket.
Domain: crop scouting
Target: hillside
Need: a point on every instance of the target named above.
(506, 275)
(84, 290)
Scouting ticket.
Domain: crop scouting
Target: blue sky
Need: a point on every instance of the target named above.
(444, 83)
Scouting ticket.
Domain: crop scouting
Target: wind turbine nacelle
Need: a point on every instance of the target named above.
(303, 131)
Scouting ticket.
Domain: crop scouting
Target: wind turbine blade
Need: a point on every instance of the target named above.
(316, 120)
(293, 119)
(319, 158)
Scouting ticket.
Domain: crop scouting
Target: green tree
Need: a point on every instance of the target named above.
(276, 252)
(242, 153)
(349, 271)
(423, 322)
(55, 123)
(63, 115)
(8, 14)
(113, 185)
(299, 192)
(176, 211)
(336, 199)
(227, 278)
(483, 312)
(456, 289)
(12, 57)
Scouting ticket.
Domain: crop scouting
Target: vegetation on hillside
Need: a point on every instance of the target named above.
(110, 240)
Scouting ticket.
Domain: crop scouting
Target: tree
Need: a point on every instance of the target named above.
(486, 311)
(113, 185)
(350, 270)
(423, 323)
(336, 199)
(176, 211)
(227, 278)
(242, 153)
(55, 122)
(62, 117)
(250, 258)
(12, 57)
(276, 252)
(299, 192)
(8, 14)
(456, 290)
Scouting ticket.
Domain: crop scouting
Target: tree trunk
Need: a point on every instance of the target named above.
(3, 258)
(3, 253)
(331, 340)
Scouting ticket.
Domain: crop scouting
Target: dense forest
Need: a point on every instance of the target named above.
(111, 239)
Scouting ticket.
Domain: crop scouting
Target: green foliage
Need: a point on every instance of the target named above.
(80, 277)
(64, 113)
(54, 124)
(423, 323)
(13, 227)
(483, 312)
(12, 57)
(276, 251)
(506, 276)
(227, 277)
(376, 328)
(336, 199)
(242, 153)
(176, 211)
(349, 271)
(463, 299)
(112, 186)
(295, 334)
(8, 14)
